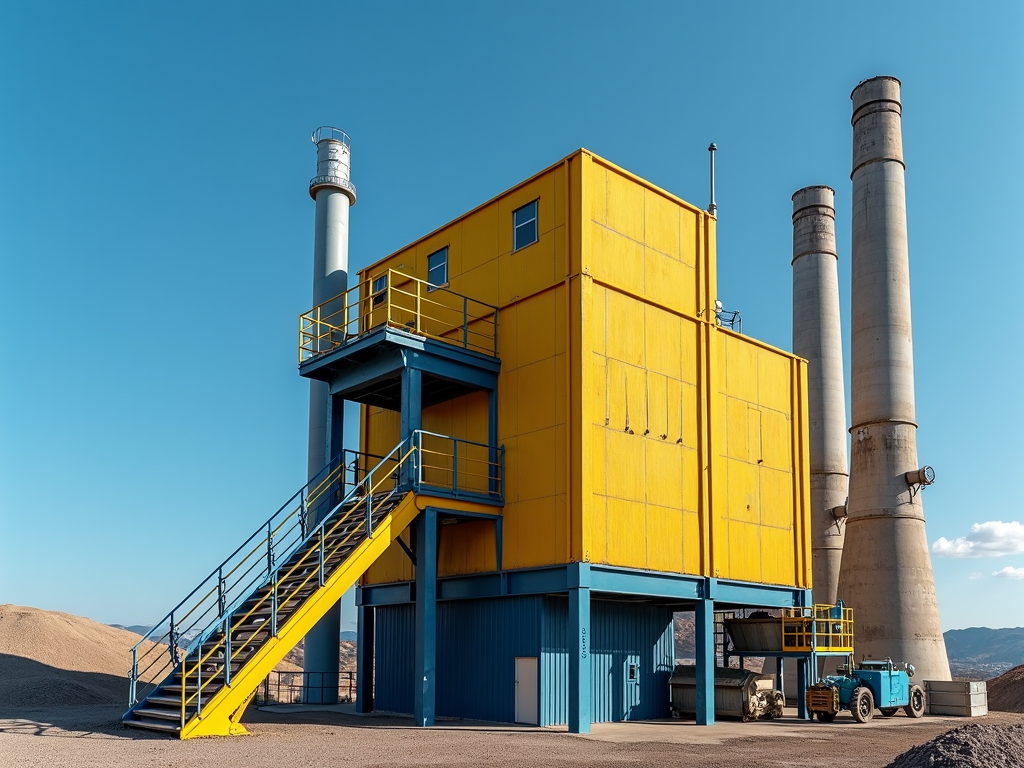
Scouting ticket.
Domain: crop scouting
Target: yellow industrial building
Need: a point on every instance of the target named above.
(560, 446)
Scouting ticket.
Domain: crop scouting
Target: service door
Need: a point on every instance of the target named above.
(527, 690)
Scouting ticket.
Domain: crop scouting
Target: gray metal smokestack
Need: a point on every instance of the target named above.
(886, 574)
(818, 338)
(334, 195)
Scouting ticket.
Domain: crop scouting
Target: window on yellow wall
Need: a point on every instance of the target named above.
(524, 226)
(437, 269)
(379, 289)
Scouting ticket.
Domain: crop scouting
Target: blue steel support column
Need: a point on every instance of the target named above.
(412, 415)
(579, 650)
(704, 631)
(801, 686)
(364, 659)
(426, 616)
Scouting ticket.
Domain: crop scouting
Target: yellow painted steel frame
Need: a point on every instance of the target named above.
(222, 713)
(818, 630)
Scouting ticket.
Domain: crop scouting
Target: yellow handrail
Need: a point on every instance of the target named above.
(404, 302)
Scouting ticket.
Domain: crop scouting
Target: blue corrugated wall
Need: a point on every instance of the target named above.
(620, 634)
(478, 640)
(477, 643)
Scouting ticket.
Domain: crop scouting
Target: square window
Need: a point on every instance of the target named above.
(379, 289)
(437, 269)
(524, 222)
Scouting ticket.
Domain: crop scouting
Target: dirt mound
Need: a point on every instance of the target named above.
(49, 658)
(1006, 692)
(292, 661)
(970, 746)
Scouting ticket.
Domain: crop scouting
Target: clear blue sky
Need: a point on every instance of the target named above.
(156, 234)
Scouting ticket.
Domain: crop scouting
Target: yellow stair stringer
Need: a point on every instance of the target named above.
(222, 713)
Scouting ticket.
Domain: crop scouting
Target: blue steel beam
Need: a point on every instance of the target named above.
(704, 642)
(426, 617)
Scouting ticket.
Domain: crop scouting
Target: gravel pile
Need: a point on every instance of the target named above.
(970, 746)
(1006, 692)
(49, 658)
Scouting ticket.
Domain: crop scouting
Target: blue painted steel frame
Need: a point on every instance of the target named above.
(364, 660)
(579, 651)
(426, 617)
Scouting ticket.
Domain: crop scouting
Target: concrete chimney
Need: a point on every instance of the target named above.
(818, 338)
(886, 574)
(334, 194)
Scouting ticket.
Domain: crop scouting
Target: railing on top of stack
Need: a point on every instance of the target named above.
(404, 302)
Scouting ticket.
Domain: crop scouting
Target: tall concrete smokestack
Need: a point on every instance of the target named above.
(886, 574)
(818, 338)
(334, 195)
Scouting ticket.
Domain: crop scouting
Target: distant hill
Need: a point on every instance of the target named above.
(980, 652)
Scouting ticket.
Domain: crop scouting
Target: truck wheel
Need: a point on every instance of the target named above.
(889, 711)
(825, 717)
(915, 707)
(862, 705)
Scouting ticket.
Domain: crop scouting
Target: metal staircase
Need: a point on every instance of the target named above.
(195, 672)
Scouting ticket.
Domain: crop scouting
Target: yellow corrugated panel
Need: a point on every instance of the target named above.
(596, 549)
(736, 432)
(773, 381)
(744, 551)
(624, 457)
(669, 282)
(536, 393)
(691, 543)
(661, 223)
(595, 192)
(741, 360)
(778, 566)
(777, 499)
(627, 532)
(664, 538)
(625, 329)
(689, 239)
(597, 455)
(616, 259)
(625, 206)
(663, 341)
(540, 470)
(479, 241)
(743, 500)
(467, 547)
(527, 544)
(535, 324)
(776, 428)
(528, 270)
(664, 473)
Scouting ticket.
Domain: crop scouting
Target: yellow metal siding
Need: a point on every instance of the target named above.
(637, 433)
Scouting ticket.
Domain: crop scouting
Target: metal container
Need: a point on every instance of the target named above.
(958, 697)
(738, 693)
(757, 634)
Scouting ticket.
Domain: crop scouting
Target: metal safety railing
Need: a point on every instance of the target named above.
(352, 519)
(460, 467)
(297, 549)
(820, 628)
(202, 610)
(306, 687)
(404, 302)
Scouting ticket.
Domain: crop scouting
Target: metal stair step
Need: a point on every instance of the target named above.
(154, 725)
(171, 701)
(162, 714)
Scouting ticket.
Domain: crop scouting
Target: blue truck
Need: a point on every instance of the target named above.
(862, 687)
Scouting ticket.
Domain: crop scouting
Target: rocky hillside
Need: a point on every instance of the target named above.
(980, 652)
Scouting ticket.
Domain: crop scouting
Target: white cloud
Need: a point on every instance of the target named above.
(992, 539)
(1009, 572)
(976, 575)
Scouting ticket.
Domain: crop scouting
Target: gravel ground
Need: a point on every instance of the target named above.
(86, 736)
(975, 745)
